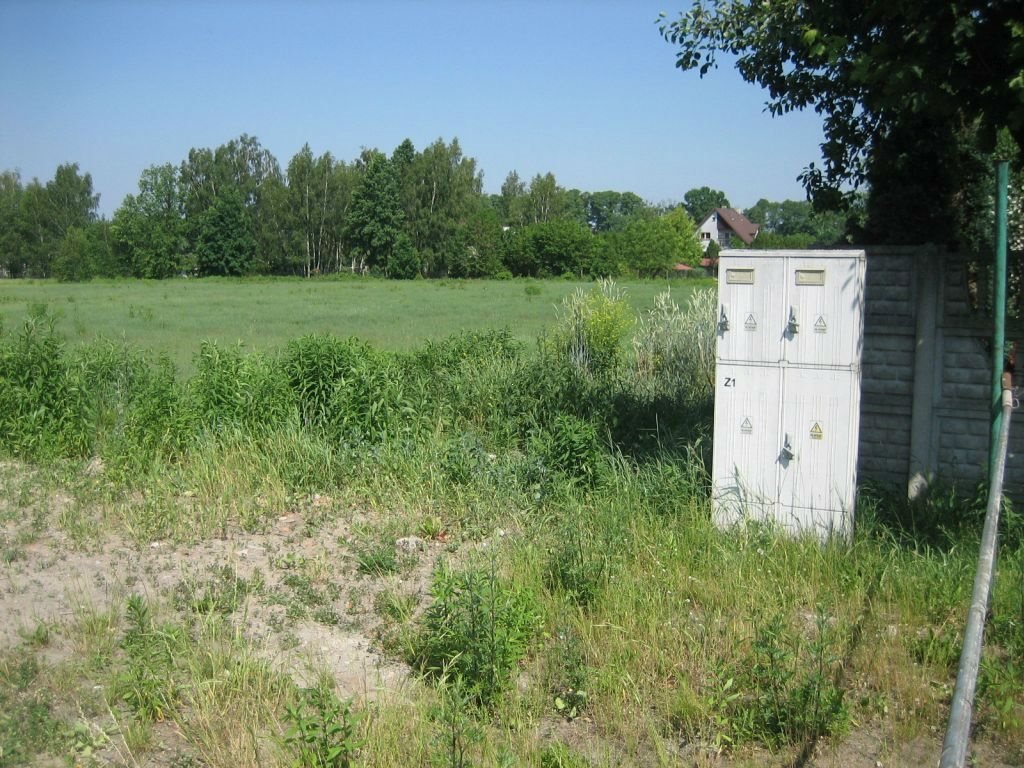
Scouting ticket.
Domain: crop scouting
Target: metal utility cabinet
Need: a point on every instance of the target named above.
(787, 391)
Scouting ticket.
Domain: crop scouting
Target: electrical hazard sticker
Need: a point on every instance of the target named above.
(816, 432)
(750, 323)
(746, 427)
(820, 326)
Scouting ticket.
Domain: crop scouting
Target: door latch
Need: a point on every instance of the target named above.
(723, 321)
(786, 454)
(793, 327)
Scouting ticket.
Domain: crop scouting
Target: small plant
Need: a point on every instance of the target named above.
(148, 684)
(456, 714)
(576, 567)
(223, 592)
(394, 606)
(567, 675)
(561, 756)
(476, 630)
(377, 560)
(321, 729)
(792, 695)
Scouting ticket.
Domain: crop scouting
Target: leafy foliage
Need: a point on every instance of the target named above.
(44, 409)
(863, 72)
(225, 244)
(591, 328)
(321, 729)
(476, 631)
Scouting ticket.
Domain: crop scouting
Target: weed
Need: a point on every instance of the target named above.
(576, 567)
(222, 592)
(457, 716)
(148, 684)
(591, 327)
(476, 630)
(567, 674)
(28, 725)
(789, 696)
(561, 756)
(377, 560)
(321, 730)
(394, 606)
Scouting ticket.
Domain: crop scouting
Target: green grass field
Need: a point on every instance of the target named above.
(172, 316)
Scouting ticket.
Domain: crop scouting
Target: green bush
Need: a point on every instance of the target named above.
(786, 687)
(570, 446)
(156, 423)
(44, 405)
(230, 389)
(476, 631)
(315, 366)
(590, 329)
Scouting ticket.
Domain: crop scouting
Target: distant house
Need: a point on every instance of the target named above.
(722, 225)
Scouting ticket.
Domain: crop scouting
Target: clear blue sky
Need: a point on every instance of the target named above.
(586, 90)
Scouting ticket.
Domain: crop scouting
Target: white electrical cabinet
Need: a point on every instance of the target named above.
(787, 392)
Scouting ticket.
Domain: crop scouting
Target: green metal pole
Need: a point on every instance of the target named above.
(999, 311)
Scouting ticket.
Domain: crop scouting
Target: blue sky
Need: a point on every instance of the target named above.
(586, 90)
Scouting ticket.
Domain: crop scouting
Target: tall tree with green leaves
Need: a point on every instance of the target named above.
(374, 224)
(511, 204)
(444, 189)
(545, 199)
(611, 211)
(11, 245)
(902, 73)
(149, 227)
(701, 201)
(797, 218)
(319, 194)
(225, 245)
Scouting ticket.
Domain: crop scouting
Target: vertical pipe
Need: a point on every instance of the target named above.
(958, 731)
(998, 310)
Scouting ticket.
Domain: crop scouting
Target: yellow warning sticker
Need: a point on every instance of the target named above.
(746, 427)
(816, 432)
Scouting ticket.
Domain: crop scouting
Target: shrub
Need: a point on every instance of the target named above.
(315, 365)
(476, 631)
(156, 423)
(44, 408)
(786, 688)
(231, 389)
(590, 329)
(571, 446)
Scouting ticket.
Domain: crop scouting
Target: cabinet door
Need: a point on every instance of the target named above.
(750, 292)
(819, 421)
(745, 464)
(822, 314)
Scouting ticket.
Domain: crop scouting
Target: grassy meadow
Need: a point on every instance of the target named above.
(172, 316)
(503, 498)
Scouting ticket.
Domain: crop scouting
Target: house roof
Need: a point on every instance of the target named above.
(744, 228)
(731, 219)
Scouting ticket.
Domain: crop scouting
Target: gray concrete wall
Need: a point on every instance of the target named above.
(926, 378)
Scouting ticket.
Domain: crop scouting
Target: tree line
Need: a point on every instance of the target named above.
(233, 210)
